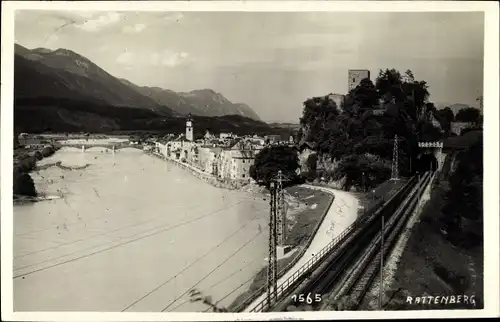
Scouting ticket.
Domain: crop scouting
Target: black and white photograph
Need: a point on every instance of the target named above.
(201, 160)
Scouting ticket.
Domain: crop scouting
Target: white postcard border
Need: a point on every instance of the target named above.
(491, 156)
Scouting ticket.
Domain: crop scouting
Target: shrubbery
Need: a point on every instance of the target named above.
(38, 155)
(22, 182)
(272, 159)
(48, 151)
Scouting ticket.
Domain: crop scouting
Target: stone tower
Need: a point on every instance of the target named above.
(189, 128)
(355, 76)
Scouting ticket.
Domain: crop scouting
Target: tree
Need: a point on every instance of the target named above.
(252, 172)
(362, 171)
(272, 159)
(465, 197)
(312, 162)
(447, 114)
(388, 85)
(468, 115)
(23, 184)
(428, 132)
(445, 117)
(363, 97)
(312, 165)
(38, 155)
(316, 112)
(48, 151)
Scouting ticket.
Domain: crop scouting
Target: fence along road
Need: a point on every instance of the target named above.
(343, 213)
(320, 246)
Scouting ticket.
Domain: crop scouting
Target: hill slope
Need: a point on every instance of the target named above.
(204, 102)
(64, 74)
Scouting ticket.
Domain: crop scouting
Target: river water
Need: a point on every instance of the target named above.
(132, 233)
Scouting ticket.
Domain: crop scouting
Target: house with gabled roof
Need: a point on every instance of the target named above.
(234, 161)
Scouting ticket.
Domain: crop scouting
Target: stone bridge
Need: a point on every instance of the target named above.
(111, 146)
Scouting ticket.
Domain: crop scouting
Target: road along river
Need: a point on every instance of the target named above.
(131, 233)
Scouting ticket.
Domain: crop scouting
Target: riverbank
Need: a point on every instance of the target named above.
(60, 166)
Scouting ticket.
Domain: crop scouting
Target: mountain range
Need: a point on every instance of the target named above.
(64, 74)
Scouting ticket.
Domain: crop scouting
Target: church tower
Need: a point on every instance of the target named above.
(189, 128)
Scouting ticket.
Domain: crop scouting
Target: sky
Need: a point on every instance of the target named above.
(269, 60)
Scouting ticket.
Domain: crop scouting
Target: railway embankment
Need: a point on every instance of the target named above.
(431, 265)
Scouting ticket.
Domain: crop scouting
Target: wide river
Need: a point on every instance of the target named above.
(132, 233)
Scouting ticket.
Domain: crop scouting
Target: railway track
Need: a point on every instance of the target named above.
(354, 286)
(349, 270)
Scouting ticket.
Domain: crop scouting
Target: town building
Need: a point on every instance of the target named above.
(207, 157)
(355, 76)
(224, 136)
(273, 138)
(233, 163)
(208, 135)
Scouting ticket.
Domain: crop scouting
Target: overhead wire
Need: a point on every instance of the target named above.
(210, 273)
(125, 243)
(96, 235)
(189, 266)
(221, 281)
